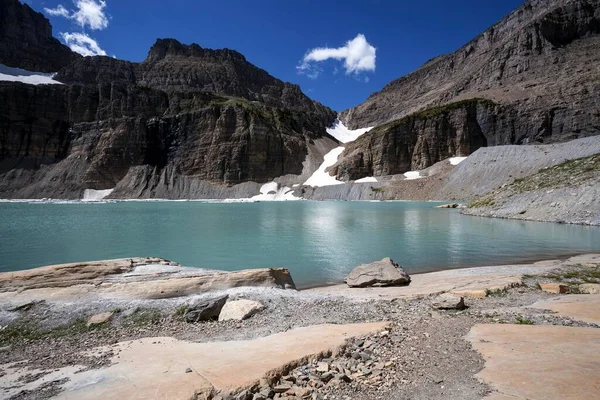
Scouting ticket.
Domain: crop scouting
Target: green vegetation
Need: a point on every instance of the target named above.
(180, 311)
(496, 292)
(22, 331)
(485, 202)
(144, 316)
(435, 112)
(580, 274)
(520, 320)
(569, 173)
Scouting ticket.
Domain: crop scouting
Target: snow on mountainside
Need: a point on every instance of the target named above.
(339, 131)
(345, 135)
(20, 75)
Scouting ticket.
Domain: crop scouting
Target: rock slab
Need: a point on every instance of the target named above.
(538, 361)
(99, 319)
(154, 368)
(555, 288)
(239, 310)
(380, 273)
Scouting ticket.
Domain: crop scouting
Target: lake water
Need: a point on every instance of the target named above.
(318, 241)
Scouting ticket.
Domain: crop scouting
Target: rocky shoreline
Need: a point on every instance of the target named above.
(408, 348)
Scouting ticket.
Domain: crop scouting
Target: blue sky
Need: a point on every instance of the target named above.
(399, 36)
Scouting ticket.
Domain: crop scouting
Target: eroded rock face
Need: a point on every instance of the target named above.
(26, 40)
(380, 273)
(421, 140)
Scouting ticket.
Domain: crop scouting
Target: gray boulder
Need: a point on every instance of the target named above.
(380, 273)
(449, 301)
(205, 310)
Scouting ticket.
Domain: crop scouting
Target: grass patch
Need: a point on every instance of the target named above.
(496, 292)
(23, 331)
(435, 112)
(144, 316)
(486, 202)
(581, 274)
(520, 320)
(180, 311)
(570, 173)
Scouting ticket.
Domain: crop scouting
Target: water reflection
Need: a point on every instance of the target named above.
(318, 241)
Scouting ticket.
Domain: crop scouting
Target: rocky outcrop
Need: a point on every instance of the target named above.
(423, 139)
(26, 40)
(134, 278)
(206, 119)
(380, 273)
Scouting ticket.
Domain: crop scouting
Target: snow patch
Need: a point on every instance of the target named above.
(322, 178)
(410, 175)
(272, 192)
(95, 195)
(11, 74)
(345, 135)
(368, 179)
(457, 160)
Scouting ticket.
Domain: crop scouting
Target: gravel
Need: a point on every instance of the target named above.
(423, 355)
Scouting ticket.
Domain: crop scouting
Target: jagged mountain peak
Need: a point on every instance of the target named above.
(169, 47)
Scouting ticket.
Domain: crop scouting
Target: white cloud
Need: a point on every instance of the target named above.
(358, 55)
(91, 12)
(82, 44)
(59, 11)
(87, 13)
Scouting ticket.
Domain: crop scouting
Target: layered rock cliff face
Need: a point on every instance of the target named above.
(540, 65)
(26, 40)
(196, 115)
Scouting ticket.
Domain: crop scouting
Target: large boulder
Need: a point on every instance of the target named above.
(205, 310)
(240, 309)
(380, 273)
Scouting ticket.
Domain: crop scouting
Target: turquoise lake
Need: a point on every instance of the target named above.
(320, 242)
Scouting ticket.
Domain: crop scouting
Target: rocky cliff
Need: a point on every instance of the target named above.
(203, 116)
(540, 66)
(26, 40)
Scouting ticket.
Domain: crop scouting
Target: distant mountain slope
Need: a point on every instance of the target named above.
(544, 58)
(539, 66)
(200, 116)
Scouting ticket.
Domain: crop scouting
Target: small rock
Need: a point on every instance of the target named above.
(448, 301)
(240, 310)
(282, 388)
(322, 367)
(589, 288)
(205, 310)
(188, 370)
(99, 319)
(556, 288)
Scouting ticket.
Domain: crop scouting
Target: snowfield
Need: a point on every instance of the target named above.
(322, 178)
(345, 135)
(11, 74)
